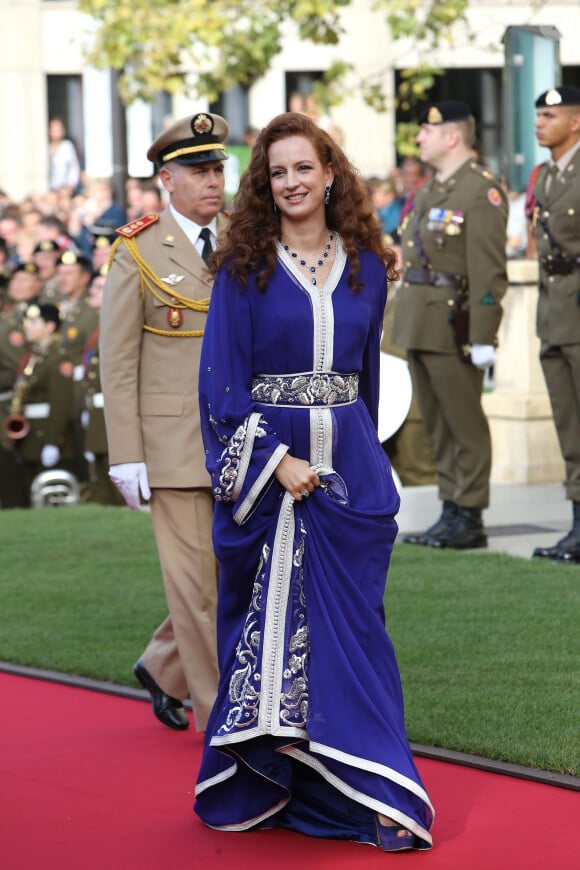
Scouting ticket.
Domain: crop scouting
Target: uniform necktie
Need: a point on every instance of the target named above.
(207, 249)
(551, 176)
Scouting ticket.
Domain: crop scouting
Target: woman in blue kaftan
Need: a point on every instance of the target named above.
(307, 731)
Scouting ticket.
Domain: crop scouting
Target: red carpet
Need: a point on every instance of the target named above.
(92, 782)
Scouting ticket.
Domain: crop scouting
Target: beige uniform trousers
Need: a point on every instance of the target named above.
(181, 656)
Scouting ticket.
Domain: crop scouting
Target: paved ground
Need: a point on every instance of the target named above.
(519, 518)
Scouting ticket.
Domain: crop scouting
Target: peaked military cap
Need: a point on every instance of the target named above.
(565, 96)
(446, 110)
(46, 245)
(29, 268)
(48, 312)
(69, 258)
(195, 139)
(104, 229)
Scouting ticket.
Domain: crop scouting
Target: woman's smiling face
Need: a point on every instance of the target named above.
(297, 177)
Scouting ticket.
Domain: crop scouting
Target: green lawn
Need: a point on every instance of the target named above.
(488, 645)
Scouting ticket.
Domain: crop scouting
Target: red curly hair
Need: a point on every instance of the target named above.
(249, 243)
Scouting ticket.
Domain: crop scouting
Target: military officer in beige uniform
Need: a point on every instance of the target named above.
(448, 314)
(557, 230)
(152, 320)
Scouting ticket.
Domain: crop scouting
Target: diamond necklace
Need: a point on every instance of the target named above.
(320, 261)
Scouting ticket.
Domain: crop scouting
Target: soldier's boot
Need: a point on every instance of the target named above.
(430, 537)
(568, 548)
(466, 533)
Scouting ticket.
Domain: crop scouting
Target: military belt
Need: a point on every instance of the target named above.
(435, 278)
(560, 265)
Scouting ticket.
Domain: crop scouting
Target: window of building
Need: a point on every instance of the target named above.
(64, 99)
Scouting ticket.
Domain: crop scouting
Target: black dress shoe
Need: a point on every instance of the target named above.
(430, 538)
(466, 533)
(568, 547)
(570, 557)
(168, 710)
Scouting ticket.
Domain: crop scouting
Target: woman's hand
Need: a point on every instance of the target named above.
(296, 476)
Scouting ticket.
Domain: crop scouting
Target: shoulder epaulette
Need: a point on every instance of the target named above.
(131, 229)
(483, 171)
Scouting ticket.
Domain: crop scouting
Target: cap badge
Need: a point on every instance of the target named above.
(32, 312)
(68, 258)
(201, 124)
(434, 116)
(553, 98)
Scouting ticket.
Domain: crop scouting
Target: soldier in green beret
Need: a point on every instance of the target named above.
(448, 314)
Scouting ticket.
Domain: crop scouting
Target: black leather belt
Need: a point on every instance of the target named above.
(434, 278)
(560, 265)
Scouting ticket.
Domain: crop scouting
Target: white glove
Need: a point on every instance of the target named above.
(49, 455)
(85, 418)
(89, 456)
(482, 355)
(130, 478)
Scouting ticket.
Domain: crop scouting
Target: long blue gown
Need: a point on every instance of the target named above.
(308, 728)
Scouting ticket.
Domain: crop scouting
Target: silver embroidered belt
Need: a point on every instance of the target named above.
(305, 388)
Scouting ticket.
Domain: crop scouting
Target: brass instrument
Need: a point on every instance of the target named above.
(54, 487)
(16, 424)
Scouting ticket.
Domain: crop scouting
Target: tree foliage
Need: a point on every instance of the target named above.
(206, 47)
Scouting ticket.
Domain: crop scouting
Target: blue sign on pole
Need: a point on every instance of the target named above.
(532, 66)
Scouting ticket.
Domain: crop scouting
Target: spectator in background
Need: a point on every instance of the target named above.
(99, 210)
(78, 320)
(101, 489)
(64, 169)
(388, 207)
(152, 201)
(10, 229)
(45, 255)
(5, 272)
(52, 228)
(517, 225)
